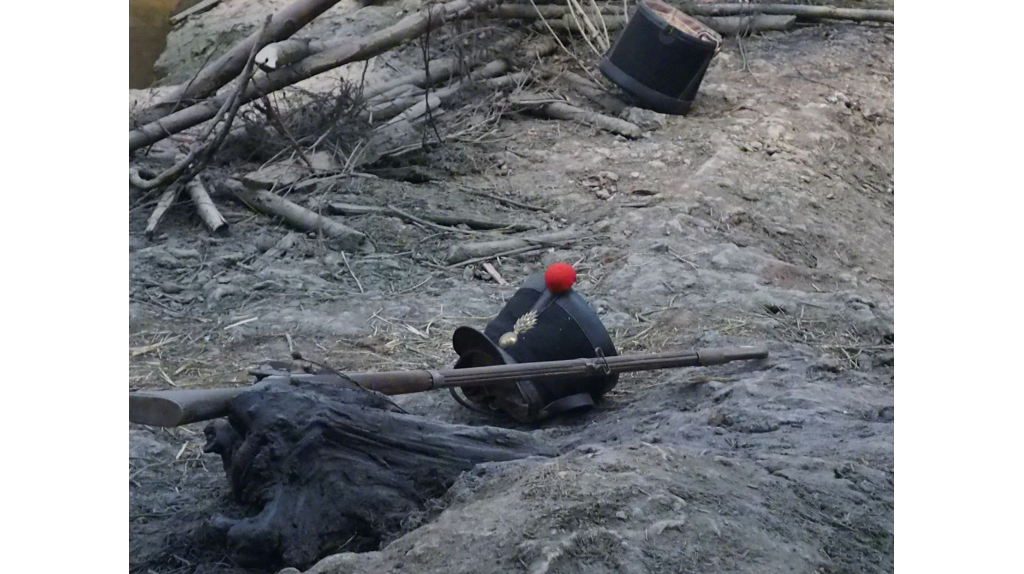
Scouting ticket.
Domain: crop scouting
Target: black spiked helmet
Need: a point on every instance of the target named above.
(544, 321)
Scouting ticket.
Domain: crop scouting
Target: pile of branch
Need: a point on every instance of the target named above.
(319, 57)
(400, 115)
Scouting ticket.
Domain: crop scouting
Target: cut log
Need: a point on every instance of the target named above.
(747, 25)
(222, 70)
(341, 236)
(462, 252)
(564, 111)
(555, 10)
(204, 206)
(407, 29)
(324, 466)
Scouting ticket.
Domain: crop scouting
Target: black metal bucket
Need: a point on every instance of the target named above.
(660, 63)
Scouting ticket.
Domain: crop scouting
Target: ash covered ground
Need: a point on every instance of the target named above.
(766, 214)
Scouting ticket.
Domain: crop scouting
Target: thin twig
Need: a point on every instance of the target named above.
(275, 120)
(351, 272)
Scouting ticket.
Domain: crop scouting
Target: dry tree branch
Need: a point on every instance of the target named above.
(212, 77)
(197, 159)
(333, 56)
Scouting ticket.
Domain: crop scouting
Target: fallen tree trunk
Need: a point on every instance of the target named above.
(726, 26)
(342, 236)
(553, 9)
(204, 206)
(353, 50)
(801, 12)
(222, 70)
(325, 465)
(747, 25)
(462, 252)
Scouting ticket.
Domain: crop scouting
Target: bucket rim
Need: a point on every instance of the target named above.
(704, 34)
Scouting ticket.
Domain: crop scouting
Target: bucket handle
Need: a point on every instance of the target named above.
(665, 35)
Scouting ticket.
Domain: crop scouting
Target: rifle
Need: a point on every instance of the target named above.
(173, 408)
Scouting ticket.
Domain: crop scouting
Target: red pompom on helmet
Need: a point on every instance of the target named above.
(559, 278)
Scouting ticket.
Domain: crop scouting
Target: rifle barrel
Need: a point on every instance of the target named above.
(477, 376)
(178, 407)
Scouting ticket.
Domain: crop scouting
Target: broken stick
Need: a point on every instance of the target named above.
(204, 206)
(166, 200)
(564, 111)
(343, 237)
(494, 273)
(465, 251)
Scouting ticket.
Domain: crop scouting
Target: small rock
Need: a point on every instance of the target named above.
(228, 258)
(265, 242)
(775, 131)
(184, 253)
(663, 525)
(621, 515)
(324, 161)
(603, 194)
(635, 175)
(221, 292)
(657, 164)
(609, 175)
(645, 119)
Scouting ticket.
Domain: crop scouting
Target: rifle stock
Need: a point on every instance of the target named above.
(179, 407)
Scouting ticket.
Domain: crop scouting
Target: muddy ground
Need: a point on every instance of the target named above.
(764, 215)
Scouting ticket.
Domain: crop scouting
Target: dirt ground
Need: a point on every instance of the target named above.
(766, 214)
